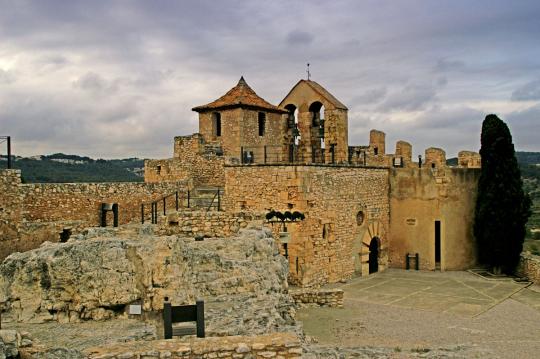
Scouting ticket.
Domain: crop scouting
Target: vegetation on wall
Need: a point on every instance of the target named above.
(502, 206)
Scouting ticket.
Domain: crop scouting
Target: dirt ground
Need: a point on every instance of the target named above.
(408, 310)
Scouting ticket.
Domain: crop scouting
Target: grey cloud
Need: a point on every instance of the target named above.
(525, 127)
(6, 77)
(162, 58)
(95, 83)
(529, 91)
(299, 37)
(445, 65)
(370, 96)
(410, 98)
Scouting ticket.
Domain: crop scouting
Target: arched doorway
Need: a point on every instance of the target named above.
(374, 255)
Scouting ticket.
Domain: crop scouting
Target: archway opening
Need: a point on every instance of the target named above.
(292, 122)
(374, 255)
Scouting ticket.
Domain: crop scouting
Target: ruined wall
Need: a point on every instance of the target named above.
(194, 160)
(435, 157)
(10, 204)
(469, 159)
(275, 345)
(329, 244)
(377, 141)
(418, 198)
(529, 266)
(57, 202)
(324, 297)
(189, 223)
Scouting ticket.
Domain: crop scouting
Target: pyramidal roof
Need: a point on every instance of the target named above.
(240, 95)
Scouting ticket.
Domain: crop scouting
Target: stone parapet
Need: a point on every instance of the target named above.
(276, 345)
(189, 223)
(322, 297)
(529, 266)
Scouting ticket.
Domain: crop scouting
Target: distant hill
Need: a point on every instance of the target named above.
(62, 168)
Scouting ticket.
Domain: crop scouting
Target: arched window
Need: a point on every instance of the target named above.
(291, 118)
(262, 123)
(216, 125)
(316, 115)
(360, 218)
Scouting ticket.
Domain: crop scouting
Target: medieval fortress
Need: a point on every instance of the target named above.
(261, 198)
(364, 208)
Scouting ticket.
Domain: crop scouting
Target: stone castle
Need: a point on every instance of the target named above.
(365, 209)
(362, 208)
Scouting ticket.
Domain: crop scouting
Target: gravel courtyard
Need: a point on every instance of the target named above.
(412, 310)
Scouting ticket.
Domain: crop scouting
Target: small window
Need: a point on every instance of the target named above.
(158, 170)
(262, 123)
(360, 218)
(375, 151)
(433, 165)
(217, 124)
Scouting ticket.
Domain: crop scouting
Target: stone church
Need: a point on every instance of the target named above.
(363, 208)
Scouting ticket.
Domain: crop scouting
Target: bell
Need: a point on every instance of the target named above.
(295, 132)
(321, 129)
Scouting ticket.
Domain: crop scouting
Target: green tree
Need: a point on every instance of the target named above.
(502, 207)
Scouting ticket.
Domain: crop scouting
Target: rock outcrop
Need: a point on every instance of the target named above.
(96, 276)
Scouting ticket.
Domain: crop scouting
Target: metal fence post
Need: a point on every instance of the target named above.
(164, 206)
(200, 318)
(9, 152)
(142, 213)
(176, 197)
(264, 153)
(218, 200)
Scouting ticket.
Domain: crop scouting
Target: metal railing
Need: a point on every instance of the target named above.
(182, 199)
(273, 154)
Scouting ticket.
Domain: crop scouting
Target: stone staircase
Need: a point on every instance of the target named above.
(206, 198)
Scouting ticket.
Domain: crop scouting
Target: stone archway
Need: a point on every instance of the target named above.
(375, 231)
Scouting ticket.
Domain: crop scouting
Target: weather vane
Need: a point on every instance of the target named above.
(308, 73)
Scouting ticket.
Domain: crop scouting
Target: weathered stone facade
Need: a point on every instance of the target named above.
(194, 160)
(324, 297)
(10, 204)
(529, 266)
(202, 223)
(34, 213)
(331, 243)
(419, 198)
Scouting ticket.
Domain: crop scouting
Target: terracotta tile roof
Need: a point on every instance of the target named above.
(239, 96)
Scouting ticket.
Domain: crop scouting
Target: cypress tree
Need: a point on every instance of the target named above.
(502, 207)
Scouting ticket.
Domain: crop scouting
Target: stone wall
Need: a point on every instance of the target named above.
(276, 345)
(529, 266)
(57, 202)
(10, 204)
(194, 160)
(435, 157)
(204, 223)
(469, 159)
(330, 243)
(322, 297)
(419, 198)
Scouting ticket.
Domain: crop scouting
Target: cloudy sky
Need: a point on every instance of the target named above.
(117, 79)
